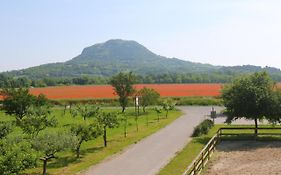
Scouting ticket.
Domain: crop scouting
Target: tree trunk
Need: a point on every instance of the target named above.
(137, 124)
(125, 128)
(256, 127)
(143, 108)
(158, 117)
(167, 114)
(44, 166)
(104, 136)
(78, 149)
(123, 109)
(65, 106)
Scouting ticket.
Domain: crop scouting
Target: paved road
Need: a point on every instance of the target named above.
(152, 153)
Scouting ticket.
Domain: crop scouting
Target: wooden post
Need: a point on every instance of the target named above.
(194, 169)
(202, 155)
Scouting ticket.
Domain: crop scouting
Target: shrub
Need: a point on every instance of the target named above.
(203, 128)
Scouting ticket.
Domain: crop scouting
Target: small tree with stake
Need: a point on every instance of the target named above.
(148, 97)
(86, 111)
(168, 105)
(158, 111)
(107, 120)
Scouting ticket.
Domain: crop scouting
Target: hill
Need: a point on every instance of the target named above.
(113, 56)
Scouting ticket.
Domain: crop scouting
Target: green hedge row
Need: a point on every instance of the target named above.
(203, 128)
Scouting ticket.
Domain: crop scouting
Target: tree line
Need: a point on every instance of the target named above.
(214, 77)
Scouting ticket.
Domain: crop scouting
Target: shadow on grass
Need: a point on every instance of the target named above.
(91, 150)
(63, 161)
(248, 143)
(201, 140)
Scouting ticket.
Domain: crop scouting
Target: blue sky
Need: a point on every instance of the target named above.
(219, 32)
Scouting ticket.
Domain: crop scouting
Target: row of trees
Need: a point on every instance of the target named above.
(34, 115)
(215, 77)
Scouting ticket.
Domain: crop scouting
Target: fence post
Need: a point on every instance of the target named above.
(202, 159)
(194, 169)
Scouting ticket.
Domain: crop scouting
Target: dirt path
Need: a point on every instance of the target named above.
(155, 151)
(247, 158)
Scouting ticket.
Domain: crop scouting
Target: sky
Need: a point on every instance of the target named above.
(219, 32)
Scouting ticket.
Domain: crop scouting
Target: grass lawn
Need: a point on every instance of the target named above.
(92, 152)
(182, 160)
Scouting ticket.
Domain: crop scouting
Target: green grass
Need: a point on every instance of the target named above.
(200, 101)
(93, 151)
(184, 158)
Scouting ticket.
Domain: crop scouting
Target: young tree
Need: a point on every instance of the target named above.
(36, 120)
(84, 133)
(123, 87)
(51, 143)
(107, 120)
(158, 110)
(124, 119)
(168, 105)
(249, 97)
(86, 111)
(148, 97)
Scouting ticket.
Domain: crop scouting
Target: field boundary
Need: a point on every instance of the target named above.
(203, 157)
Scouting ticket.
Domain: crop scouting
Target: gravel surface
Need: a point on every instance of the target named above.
(246, 158)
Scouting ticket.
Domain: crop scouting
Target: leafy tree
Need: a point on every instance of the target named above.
(86, 111)
(107, 120)
(148, 97)
(123, 87)
(16, 155)
(158, 110)
(36, 120)
(275, 111)
(51, 143)
(168, 105)
(5, 129)
(84, 133)
(249, 97)
(17, 101)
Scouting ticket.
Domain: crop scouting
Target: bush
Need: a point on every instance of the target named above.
(203, 128)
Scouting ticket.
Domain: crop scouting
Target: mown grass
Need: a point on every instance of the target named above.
(93, 151)
(184, 158)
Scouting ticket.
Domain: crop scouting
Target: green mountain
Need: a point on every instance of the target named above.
(113, 56)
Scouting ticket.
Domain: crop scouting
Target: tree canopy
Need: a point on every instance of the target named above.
(123, 87)
(250, 97)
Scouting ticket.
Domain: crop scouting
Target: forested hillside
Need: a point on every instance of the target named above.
(99, 62)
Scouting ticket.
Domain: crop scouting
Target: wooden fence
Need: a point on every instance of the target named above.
(201, 160)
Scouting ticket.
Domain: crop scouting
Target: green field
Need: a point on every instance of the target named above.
(93, 151)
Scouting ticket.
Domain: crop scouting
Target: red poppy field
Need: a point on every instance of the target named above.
(106, 91)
